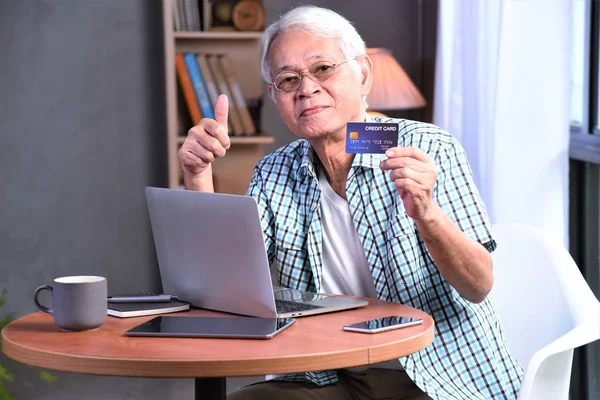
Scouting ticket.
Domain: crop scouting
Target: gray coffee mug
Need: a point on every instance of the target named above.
(78, 302)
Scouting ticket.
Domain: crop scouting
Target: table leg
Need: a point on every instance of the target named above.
(210, 388)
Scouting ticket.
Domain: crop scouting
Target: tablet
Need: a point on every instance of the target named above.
(212, 327)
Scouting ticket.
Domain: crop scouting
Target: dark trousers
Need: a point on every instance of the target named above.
(372, 383)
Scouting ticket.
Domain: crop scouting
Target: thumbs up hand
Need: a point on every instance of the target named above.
(205, 142)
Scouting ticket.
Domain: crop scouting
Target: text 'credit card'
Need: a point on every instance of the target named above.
(371, 137)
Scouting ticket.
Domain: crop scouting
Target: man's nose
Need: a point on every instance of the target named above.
(308, 86)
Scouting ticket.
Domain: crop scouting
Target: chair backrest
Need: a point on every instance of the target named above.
(535, 288)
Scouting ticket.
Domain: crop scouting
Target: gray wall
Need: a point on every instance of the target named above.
(82, 133)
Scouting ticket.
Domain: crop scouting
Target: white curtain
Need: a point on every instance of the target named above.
(502, 88)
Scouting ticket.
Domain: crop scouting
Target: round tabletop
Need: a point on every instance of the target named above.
(313, 343)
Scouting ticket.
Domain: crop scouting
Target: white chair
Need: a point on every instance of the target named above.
(546, 307)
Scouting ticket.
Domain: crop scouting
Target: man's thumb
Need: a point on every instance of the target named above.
(222, 110)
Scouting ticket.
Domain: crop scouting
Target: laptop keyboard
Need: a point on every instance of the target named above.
(286, 306)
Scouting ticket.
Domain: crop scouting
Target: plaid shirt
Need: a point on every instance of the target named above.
(469, 358)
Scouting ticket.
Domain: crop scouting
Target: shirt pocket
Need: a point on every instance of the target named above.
(290, 238)
(291, 255)
(404, 257)
(402, 225)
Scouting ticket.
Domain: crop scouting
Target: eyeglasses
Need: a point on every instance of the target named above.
(289, 81)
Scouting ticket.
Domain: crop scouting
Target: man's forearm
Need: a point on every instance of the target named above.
(200, 182)
(462, 261)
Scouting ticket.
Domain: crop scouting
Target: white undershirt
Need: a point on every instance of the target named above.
(345, 267)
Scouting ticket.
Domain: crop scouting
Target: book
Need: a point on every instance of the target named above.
(209, 80)
(199, 85)
(235, 124)
(185, 82)
(238, 96)
(206, 12)
(184, 119)
(192, 15)
(177, 15)
(126, 310)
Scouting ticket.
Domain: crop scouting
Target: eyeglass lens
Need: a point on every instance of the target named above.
(290, 80)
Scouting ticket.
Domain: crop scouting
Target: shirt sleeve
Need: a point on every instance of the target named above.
(458, 196)
(255, 189)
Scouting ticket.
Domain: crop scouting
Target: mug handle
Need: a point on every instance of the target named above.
(37, 302)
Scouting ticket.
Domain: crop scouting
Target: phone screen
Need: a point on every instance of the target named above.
(384, 323)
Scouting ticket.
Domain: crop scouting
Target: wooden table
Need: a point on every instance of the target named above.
(313, 343)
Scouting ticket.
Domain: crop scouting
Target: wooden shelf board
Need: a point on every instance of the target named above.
(233, 35)
(235, 140)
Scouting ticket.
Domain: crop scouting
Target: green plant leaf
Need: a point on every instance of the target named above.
(5, 321)
(7, 318)
(48, 376)
(4, 394)
(5, 374)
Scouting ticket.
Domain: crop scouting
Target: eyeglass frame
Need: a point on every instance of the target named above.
(306, 72)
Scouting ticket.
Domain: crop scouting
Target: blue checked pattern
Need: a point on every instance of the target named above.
(469, 358)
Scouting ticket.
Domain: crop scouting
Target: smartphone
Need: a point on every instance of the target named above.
(383, 324)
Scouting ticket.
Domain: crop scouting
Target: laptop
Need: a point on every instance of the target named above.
(211, 253)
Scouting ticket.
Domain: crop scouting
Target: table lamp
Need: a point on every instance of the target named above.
(392, 88)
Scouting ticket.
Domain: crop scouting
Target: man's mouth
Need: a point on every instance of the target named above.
(312, 110)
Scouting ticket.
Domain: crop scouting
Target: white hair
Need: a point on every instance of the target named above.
(320, 22)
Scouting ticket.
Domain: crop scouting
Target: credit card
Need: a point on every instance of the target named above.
(371, 137)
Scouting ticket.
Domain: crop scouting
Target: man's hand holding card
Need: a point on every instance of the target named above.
(411, 169)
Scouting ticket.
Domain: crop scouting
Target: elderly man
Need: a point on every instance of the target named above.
(406, 226)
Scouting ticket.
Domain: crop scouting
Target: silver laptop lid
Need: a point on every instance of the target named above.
(202, 259)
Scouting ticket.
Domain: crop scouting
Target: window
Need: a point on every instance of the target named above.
(585, 107)
(584, 177)
(577, 63)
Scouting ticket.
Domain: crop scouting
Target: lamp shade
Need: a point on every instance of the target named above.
(392, 88)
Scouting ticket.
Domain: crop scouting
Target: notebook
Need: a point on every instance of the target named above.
(211, 253)
(126, 310)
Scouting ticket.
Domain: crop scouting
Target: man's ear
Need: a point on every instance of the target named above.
(366, 70)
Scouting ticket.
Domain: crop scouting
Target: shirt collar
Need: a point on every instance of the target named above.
(360, 160)
(308, 159)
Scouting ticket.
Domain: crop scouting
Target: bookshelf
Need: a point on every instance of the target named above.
(233, 172)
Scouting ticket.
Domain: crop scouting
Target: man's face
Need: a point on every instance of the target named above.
(317, 109)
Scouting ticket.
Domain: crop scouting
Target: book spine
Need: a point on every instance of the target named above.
(187, 88)
(235, 127)
(206, 15)
(183, 15)
(199, 86)
(238, 96)
(209, 80)
(176, 15)
(192, 14)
